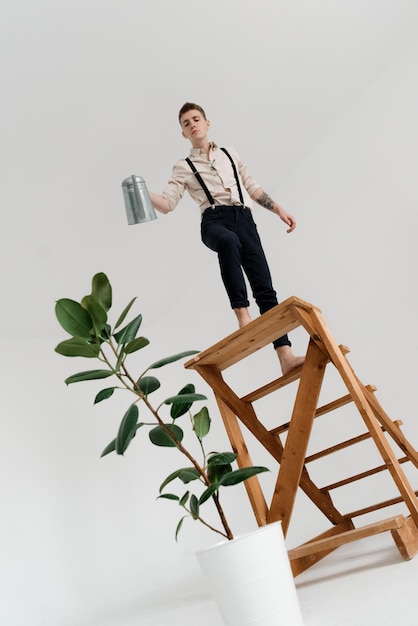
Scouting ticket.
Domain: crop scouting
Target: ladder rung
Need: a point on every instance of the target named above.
(344, 444)
(336, 404)
(371, 472)
(376, 507)
(337, 447)
(278, 383)
(326, 408)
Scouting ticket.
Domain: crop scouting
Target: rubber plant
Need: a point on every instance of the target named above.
(92, 337)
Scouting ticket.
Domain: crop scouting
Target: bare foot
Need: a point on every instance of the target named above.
(288, 361)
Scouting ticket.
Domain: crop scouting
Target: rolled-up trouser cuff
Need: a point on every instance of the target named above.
(282, 341)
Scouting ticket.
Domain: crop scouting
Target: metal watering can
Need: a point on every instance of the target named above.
(138, 203)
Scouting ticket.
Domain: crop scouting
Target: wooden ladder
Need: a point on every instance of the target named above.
(292, 455)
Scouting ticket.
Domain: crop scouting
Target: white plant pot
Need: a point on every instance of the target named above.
(251, 580)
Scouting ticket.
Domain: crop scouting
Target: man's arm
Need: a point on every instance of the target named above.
(159, 203)
(262, 198)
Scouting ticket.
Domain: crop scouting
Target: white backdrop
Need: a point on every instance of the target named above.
(320, 100)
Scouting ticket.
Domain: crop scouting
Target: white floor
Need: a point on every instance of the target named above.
(365, 583)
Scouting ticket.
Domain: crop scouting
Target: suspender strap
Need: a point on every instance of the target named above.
(202, 182)
(241, 197)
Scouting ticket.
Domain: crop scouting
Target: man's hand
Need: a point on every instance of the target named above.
(286, 218)
(261, 197)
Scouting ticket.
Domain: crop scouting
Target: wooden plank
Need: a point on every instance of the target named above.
(406, 539)
(327, 408)
(241, 409)
(392, 428)
(336, 404)
(236, 438)
(260, 332)
(339, 446)
(330, 543)
(377, 506)
(279, 383)
(361, 475)
(293, 459)
(274, 385)
(300, 564)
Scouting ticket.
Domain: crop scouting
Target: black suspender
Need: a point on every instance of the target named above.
(241, 197)
(202, 182)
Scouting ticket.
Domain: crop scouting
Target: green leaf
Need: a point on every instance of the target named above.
(104, 394)
(128, 333)
(216, 471)
(208, 493)
(127, 429)
(239, 475)
(136, 344)
(102, 290)
(97, 312)
(180, 408)
(220, 458)
(169, 479)
(185, 398)
(124, 313)
(169, 496)
(111, 447)
(179, 525)
(76, 346)
(160, 437)
(184, 498)
(188, 474)
(148, 384)
(74, 319)
(201, 423)
(106, 332)
(194, 507)
(120, 360)
(89, 375)
(172, 359)
(219, 464)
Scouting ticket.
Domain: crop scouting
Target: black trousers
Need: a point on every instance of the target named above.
(232, 233)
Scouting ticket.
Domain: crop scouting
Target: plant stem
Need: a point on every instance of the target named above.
(228, 533)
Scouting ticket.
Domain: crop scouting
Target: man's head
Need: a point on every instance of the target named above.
(194, 124)
(190, 106)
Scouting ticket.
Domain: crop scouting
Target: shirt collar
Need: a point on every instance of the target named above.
(197, 151)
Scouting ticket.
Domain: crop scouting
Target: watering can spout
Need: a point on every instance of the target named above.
(138, 203)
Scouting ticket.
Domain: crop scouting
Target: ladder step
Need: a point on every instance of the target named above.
(370, 472)
(346, 537)
(326, 408)
(376, 507)
(344, 444)
(279, 383)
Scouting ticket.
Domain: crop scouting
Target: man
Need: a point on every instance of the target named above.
(218, 181)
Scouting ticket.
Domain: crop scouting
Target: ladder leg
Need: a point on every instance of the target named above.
(252, 485)
(298, 436)
(370, 419)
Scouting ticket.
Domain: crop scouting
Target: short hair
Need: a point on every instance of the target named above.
(190, 106)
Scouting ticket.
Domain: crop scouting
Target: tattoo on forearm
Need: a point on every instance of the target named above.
(265, 201)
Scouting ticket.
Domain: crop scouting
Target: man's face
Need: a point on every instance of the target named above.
(194, 126)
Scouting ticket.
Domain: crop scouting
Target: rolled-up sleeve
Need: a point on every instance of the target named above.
(175, 187)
